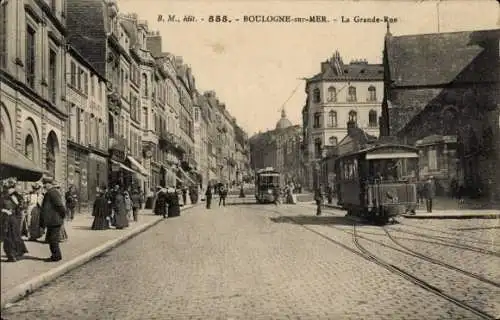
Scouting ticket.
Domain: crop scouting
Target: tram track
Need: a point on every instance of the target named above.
(449, 244)
(362, 252)
(446, 232)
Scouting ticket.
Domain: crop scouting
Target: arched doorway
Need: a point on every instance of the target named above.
(52, 155)
(6, 133)
(29, 147)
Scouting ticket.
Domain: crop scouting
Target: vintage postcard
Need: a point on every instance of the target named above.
(250, 159)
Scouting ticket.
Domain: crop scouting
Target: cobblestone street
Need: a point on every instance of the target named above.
(238, 262)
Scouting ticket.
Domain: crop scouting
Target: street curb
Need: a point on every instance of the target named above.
(456, 217)
(27, 288)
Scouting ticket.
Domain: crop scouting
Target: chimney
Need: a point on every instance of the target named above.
(153, 43)
(351, 126)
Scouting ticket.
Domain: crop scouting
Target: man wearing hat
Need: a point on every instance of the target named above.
(52, 217)
(430, 193)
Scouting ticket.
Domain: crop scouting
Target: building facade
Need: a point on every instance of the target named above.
(88, 94)
(32, 87)
(448, 108)
(281, 149)
(338, 94)
(87, 127)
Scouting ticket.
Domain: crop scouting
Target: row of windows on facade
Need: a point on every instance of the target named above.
(353, 117)
(85, 128)
(351, 94)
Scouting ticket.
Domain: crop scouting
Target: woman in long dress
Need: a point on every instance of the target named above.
(100, 212)
(174, 207)
(11, 218)
(35, 204)
(121, 220)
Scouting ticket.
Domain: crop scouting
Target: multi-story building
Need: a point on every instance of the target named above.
(200, 137)
(87, 126)
(32, 88)
(448, 107)
(241, 155)
(96, 30)
(339, 94)
(279, 148)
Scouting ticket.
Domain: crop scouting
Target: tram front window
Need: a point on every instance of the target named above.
(385, 170)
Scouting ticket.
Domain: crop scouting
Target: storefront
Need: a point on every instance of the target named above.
(78, 165)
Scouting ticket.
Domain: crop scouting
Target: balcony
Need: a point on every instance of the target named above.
(149, 142)
(114, 103)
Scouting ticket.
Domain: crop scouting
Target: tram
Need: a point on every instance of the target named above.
(266, 180)
(375, 183)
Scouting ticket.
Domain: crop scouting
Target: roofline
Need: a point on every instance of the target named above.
(373, 148)
(78, 56)
(452, 32)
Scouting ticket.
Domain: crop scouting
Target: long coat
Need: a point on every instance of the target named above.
(121, 220)
(53, 209)
(174, 208)
(100, 213)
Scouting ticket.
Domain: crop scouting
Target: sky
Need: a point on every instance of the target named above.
(255, 67)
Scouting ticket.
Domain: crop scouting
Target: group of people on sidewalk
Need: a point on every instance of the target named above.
(116, 207)
(43, 211)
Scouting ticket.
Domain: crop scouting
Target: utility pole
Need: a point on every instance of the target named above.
(437, 8)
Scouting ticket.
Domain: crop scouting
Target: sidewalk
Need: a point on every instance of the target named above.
(83, 244)
(454, 212)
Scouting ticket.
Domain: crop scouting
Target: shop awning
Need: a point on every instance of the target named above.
(186, 175)
(124, 167)
(136, 164)
(15, 164)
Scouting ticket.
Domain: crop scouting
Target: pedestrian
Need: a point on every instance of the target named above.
(184, 195)
(136, 203)
(128, 205)
(120, 211)
(276, 195)
(100, 212)
(430, 193)
(52, 217)
(318, 197)
(10, 218)
(172, 199)
(160, 206)
(63, 236)
(208, 195)
(222, 195)
(71, 200)
(35, 205)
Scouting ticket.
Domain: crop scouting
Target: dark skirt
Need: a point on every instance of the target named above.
(100, 223)
(174, 211)
(121, 220)
(13, 244)
(35, 231)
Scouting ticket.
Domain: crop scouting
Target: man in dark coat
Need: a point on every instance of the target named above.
(430, 193)
(71, 201)
(136, 203)
(222, 195)
(52, 217)
(208, 196)
(318, 197)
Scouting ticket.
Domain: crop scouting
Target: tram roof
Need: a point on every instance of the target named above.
(398, 148)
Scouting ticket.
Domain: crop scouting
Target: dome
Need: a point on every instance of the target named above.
(283, 122)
